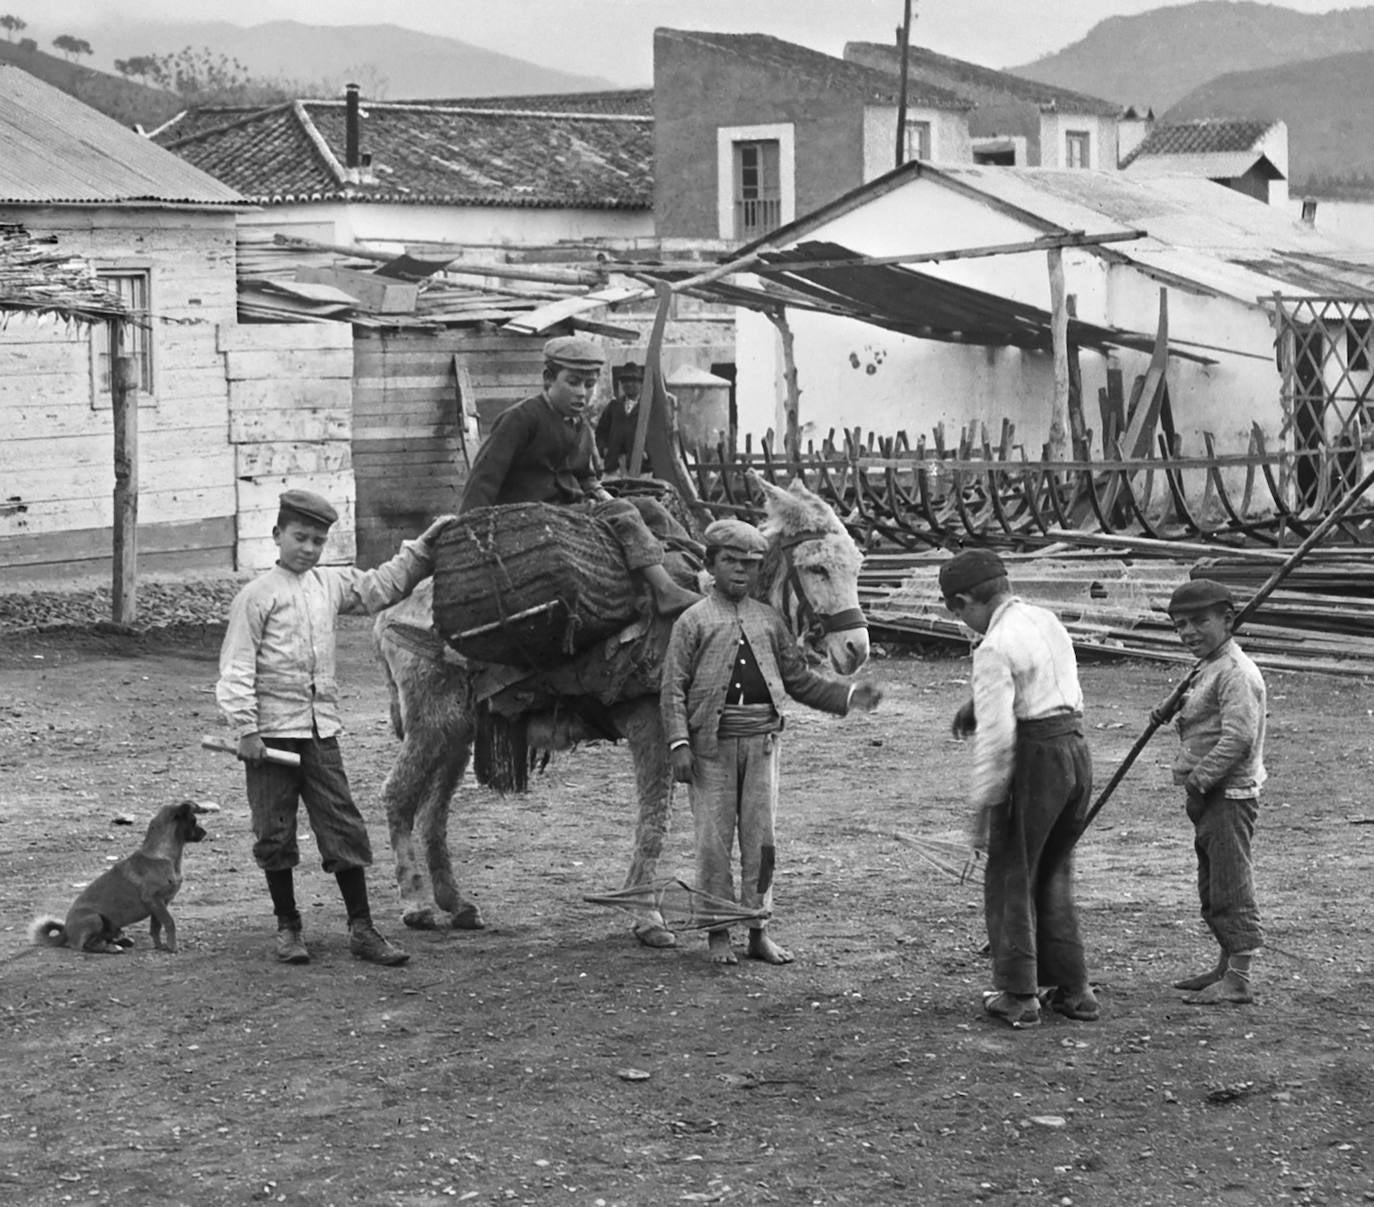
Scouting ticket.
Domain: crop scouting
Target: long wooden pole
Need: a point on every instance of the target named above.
(1059, 336)
(904, 37)
(124, 414)
(1270, 585)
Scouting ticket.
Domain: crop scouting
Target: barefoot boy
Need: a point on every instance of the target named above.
(730, 662)
(1032, 777)
(1220, 765)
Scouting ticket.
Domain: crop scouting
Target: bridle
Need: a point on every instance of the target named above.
(813, 623)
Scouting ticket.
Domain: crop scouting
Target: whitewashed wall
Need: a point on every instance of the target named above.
(495, 226)
(854, 374)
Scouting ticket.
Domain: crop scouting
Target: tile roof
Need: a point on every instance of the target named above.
(426, 153)
(1203, 137)
(837, 74)
(960, 74)
(627, 101)
(58, 151)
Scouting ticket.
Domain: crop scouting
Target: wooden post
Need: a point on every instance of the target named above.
(1059, 333)
(791, 440)
(1078, 425)
(124, 409)
(904, 36)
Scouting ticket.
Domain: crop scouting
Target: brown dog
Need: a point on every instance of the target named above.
(137, 887)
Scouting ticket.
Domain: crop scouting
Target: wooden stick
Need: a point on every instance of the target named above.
(215, 741)
(1167, 708)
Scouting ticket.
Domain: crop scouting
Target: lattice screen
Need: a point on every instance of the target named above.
(1326, 358)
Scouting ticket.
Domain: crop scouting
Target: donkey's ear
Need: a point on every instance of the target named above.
(771, 494)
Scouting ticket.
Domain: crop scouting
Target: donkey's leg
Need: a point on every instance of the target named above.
(643, 728)
(433, 755)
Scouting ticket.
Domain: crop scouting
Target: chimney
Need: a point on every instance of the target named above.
(1309, 211)
(351, 126)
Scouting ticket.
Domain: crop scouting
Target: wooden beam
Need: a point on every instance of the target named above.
(792, 407)
(1059, 336)
(748, 263)
(124, 587)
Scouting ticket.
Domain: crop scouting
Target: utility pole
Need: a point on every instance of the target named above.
(904, 43)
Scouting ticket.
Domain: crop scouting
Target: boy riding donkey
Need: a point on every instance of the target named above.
(542, 450)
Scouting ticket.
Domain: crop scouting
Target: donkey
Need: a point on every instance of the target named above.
(810, 574)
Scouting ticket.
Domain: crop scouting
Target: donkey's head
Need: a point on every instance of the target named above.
(811, 574)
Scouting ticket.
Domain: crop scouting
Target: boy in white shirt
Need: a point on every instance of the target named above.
(1032, 780)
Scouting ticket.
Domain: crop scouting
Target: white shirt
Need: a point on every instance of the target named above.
(276, 664)
(1023, 669)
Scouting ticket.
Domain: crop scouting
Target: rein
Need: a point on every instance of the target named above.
(814, 624)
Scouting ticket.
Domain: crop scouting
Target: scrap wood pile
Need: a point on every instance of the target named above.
(1113, 601)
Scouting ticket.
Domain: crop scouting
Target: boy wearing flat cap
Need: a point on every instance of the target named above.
(615, 430)
(278, 691)
(1032, 779)
(541, 451)
(730, 662)
(1220, 765)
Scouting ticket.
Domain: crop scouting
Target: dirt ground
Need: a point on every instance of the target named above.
(549, 1059)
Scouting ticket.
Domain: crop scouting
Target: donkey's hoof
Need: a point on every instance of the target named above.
(421, 917)
(654, 934)
(468, 918)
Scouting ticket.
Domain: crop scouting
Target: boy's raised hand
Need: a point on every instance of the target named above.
(681, 757)
(431, 534)
(866, 696)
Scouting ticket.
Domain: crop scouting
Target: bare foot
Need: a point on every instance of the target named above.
(654, 934)
(718, 944)
(673, 599)
(1193, 983)
(761, 947)
(1229, 990)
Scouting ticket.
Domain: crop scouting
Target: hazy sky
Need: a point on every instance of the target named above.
(613, 38)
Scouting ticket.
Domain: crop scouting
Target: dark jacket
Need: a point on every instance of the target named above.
(615, 437)
(533, 455)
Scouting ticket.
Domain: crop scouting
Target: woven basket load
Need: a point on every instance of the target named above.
(498, 570)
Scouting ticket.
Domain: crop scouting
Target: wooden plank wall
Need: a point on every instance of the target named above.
(290, 426)
(56, 438)
(407, 446)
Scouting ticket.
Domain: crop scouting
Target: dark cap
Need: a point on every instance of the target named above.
(633, 371)
(574, 352)
(966, 570)
(737, 536)
(1198, 594)
(309, 506)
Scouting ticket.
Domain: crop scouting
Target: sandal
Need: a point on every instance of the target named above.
(1082, 1006)
(1011, 1010)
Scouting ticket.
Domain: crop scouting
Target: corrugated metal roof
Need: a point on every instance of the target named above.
(912, 302)
(426, 154)
(57, 151)
(1178, 211)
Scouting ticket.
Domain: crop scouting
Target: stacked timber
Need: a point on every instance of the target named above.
(1321, 618)
(530, 584)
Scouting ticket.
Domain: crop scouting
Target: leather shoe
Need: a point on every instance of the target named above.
(367, 943)
(291, 948)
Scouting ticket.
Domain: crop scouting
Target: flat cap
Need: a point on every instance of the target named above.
(632, 370)
(1200, 593)
(308, 505)
(966, 570)
(574, 352)
(737, 536)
